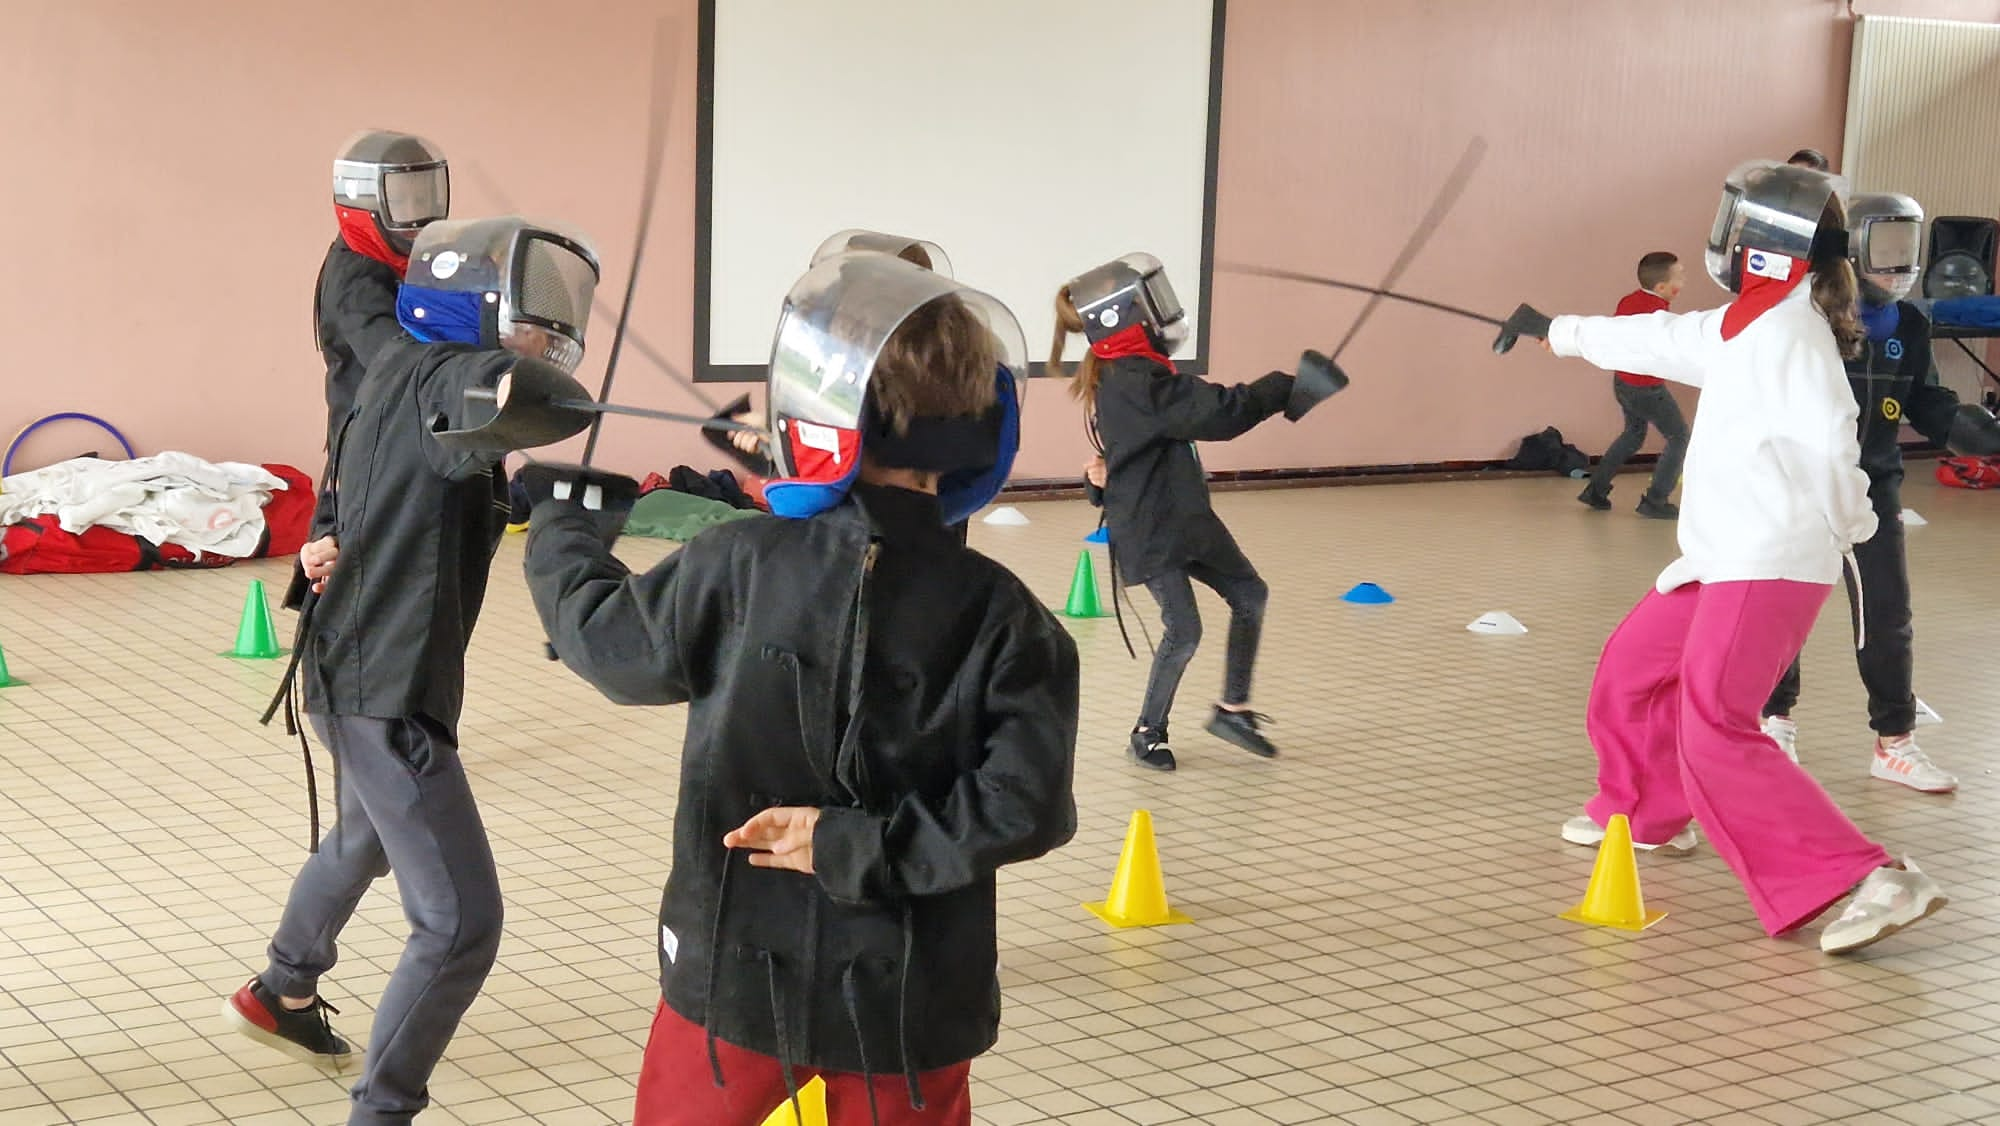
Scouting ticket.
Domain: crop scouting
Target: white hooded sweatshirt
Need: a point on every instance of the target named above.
(1773, 486)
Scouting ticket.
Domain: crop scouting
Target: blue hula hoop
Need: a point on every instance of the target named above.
(7, 465)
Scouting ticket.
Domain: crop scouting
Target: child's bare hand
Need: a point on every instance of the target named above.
(1094, 472)
(748, 440)
(781, 837)
(318, 558)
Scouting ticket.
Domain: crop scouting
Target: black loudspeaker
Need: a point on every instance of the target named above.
(1962, 253)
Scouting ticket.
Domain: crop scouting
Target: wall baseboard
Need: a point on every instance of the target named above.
(1337, 476)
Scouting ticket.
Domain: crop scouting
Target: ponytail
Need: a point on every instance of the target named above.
(1836, 291)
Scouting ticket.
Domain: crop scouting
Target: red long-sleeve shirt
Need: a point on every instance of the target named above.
(1637, 303)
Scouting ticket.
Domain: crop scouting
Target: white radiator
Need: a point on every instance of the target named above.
(1923, 113)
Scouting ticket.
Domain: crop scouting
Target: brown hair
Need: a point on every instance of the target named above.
(939, 363)
(1654, 268)
(1811, 158)
(1068, 320)
(1835, 289)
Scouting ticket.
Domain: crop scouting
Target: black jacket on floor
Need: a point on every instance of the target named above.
(417, 525)
(1155, 493)
(1894, 380)
(863, 663)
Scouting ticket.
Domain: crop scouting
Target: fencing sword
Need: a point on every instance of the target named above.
(656, 145)
(1447, 198)
(1356, 287)
(638, 343)
(540, 408)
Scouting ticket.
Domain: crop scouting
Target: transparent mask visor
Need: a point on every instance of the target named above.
(1891, 246)
(413, 197)
(1160, 294)
(1723, 217)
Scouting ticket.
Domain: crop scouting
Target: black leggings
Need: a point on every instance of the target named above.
(1245, 593)
(1885, 604)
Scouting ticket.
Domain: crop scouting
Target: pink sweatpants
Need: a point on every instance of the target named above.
(1675, 718)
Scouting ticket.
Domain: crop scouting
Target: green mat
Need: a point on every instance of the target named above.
(664, 514)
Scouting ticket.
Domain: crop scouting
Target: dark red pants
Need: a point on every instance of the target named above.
(676, 1087)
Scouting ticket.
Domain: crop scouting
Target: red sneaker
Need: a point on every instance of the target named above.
(303, 1034)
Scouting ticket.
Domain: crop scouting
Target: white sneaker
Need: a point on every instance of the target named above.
(1886, 902)
(1784, 733)
(1904, 762)
(1581, 830)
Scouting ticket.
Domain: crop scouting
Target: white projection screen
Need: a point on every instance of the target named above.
(1031, 139)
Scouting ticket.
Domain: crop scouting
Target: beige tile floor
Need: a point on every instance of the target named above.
(1375, 938)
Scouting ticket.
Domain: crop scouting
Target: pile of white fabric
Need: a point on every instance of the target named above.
(171, 497)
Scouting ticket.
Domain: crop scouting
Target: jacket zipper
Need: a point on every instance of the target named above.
(850, 739)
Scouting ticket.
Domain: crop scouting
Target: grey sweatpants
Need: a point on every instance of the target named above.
(1645, 406)
(405, 807)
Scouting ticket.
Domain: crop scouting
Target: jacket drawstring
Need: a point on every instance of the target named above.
(1853, 566)
(714, 969)
(903, 1011)
(784, 1037)
(850, 995)
(289, 688)
(287, 697)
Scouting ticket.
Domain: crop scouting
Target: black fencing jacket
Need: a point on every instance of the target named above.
(864, 663)
(1155, 495)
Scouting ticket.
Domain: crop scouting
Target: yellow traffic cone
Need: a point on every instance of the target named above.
(812, 1100)
(1138, 896)
(1613, 898)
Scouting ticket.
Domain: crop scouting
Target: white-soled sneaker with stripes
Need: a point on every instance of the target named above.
(1886, 902)
(1581, 830)
(1784, 733)
(1905, 763)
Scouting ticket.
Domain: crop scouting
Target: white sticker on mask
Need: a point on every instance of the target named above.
(1774, 266)
(670, 944)
(445, 264)
(819, 437)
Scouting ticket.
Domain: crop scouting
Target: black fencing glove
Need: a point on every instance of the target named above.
(535, 403)
(605, 496)
(1525, 321)
(1974, 432)
(1318, 380)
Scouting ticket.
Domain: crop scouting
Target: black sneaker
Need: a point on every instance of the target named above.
(1599, 501)
(303, 1034)
(1240, 728)
(1149, 749)
(1657, 509)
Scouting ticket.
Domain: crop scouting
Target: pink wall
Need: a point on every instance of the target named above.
(175, 172)
(170, 172)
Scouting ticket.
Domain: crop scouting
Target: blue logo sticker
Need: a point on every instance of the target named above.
(1756, 261)
(1893, 348)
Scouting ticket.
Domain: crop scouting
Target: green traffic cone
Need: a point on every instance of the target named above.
(1083, 601)
(5, 680)
(256, 634)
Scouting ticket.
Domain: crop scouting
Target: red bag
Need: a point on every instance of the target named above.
(40, 546)
(1969, 472)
